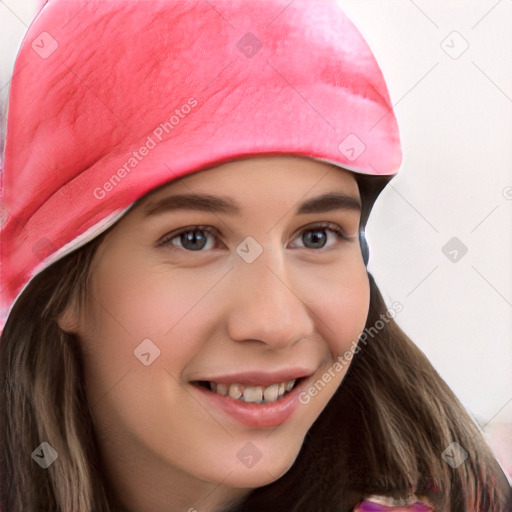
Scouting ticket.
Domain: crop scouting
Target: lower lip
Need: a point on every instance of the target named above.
(255, 415)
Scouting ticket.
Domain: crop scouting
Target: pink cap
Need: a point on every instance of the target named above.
(110, 99)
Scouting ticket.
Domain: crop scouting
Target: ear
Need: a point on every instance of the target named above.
(68, 320)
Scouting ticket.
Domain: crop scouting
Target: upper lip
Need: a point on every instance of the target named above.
(259, 378)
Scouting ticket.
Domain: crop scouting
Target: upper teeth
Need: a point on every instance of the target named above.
(256, 394)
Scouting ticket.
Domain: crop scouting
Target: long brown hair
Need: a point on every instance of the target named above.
(383, 432)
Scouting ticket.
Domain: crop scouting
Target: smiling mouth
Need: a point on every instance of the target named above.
(251, 394)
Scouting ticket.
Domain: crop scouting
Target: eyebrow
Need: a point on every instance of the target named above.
(216, 204)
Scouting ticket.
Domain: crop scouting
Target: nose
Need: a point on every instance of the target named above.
(266, 306)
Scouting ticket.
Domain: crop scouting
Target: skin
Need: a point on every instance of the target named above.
(211, 312)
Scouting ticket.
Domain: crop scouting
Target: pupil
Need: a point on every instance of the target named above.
(193, 240)
(317, 237)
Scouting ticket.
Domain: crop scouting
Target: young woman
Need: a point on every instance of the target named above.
(190, 322)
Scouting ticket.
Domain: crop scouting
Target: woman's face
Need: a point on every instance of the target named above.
(188, 303)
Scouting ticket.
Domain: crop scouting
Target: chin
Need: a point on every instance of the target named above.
(264, 472)
(252, 478)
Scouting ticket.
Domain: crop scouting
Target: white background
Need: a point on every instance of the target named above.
(455, 118)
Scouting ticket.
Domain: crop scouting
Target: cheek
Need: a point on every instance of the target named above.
(145, 300)
(130, 302)
(342, 306)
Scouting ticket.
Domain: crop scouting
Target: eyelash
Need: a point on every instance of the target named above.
(166, 240)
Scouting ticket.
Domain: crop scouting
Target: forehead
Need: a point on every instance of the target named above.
(276, 175)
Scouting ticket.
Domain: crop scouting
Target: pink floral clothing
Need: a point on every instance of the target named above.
(385, 504)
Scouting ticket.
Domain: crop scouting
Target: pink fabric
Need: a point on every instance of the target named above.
(110, 99)
(374, 506)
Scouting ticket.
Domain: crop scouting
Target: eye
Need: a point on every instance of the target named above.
(192, 238)
(196, 238)
(315, 237)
